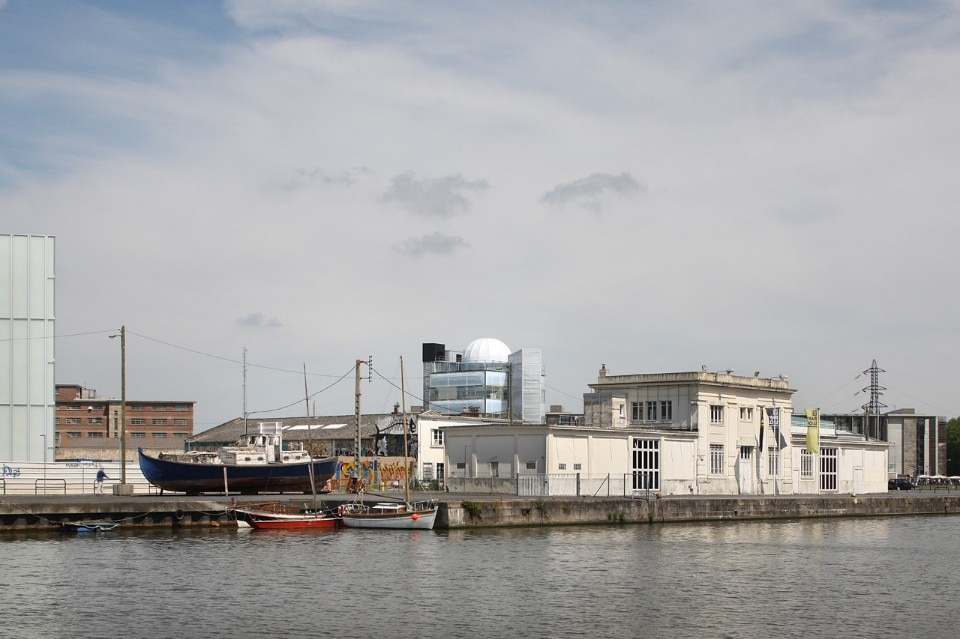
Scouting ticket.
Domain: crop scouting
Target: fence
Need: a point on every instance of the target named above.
(553, 484)
(66, 478)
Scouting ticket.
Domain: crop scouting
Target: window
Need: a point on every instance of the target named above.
(158, 435)
(746, 452)
(716, 459)
(828, 469)
(806, 464)
(95, 435)
(746, 413)
(636, 411)
(74, 433)
(74, 420)
(158, 421)
(138, 421)
(95, 420)
(138, 435)
(181, 422)
(646, 464)
(651, 411)
(563, 466)
(716, 414)
(440, 471)
(531, 465)
(436, 437)
(179, 435)
(461, 466)
(576, 466)
(666, 410)
(773, 461)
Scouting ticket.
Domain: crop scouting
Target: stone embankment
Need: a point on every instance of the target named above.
(468, 513)
(46, 512)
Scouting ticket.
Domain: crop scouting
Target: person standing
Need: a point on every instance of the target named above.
(98, 484)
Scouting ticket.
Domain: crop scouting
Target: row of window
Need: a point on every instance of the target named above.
(132, 435)
(138, 407)
(134, 421)
(648, 411)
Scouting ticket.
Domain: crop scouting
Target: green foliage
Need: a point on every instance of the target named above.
(472, 508)
(542, 508)
(953, 446)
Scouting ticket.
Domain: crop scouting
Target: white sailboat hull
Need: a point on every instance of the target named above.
(395, 518)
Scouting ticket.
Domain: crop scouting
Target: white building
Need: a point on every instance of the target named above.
(27, 389)
(697, 433)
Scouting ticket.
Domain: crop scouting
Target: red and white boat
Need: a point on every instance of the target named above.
(285, 515)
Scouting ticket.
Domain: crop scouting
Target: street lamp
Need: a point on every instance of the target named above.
(123, 404)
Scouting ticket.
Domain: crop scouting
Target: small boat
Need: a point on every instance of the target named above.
(257, 463)
(396, 515)
(285, 515)
(410, 516)
(88, 526)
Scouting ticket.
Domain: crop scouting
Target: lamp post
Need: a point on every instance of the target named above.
(123, 404)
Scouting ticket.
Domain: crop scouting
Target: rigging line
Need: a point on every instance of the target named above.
(557, 390)
(225, 359)
(312, 395)
(389, 381)
(57, 336)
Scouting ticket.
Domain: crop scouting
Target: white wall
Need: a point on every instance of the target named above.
(27, 387)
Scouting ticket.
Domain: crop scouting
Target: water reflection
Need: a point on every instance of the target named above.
(830, 577)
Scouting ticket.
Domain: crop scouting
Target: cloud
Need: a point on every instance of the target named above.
(257, 320)
(589, 192)
(303, 178)
(433, 197)
(437, 243)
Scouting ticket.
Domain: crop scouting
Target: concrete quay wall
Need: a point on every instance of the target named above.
(485, 512)
(481, 511)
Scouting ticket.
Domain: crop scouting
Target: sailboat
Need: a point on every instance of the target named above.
(407, 515)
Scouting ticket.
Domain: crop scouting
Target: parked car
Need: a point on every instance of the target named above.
(899, 483)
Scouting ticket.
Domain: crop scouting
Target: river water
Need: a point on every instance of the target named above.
(876, 577)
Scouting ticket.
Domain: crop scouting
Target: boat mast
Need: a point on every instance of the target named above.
(403, 416)
(356, 409)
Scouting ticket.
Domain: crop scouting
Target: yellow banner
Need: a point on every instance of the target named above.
(813, 430)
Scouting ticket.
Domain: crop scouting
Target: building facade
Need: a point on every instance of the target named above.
(27, 320)
(88, 426)
(484, 380)
(698, 433)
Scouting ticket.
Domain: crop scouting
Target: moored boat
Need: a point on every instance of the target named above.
(285, 515)
(257, 463)
(394, 515)
(88, 526)
(410, 516)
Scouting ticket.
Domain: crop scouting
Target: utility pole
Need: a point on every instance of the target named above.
(874, 405)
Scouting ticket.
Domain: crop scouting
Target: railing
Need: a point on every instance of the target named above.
(557, 484)
(57, 482)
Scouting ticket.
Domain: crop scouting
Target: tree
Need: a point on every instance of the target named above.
(953, 446)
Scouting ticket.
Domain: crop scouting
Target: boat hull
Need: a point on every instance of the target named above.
(177, 476)
(412, 520)
(259, 521)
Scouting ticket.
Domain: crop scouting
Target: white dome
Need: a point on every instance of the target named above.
(486, 349)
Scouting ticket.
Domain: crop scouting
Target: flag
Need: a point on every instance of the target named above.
(773, 416)
(813, 430)
(762, 427)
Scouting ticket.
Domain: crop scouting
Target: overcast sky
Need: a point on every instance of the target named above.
(652, 186)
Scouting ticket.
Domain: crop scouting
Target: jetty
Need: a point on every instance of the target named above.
(49, 512)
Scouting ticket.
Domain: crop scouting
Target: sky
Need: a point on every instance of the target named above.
(263, 193)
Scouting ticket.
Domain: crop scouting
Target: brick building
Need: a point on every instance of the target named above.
(89, 426)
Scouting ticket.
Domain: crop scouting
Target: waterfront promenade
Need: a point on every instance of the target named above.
(39, 512)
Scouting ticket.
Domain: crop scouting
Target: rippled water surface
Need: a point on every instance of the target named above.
(889, 577)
